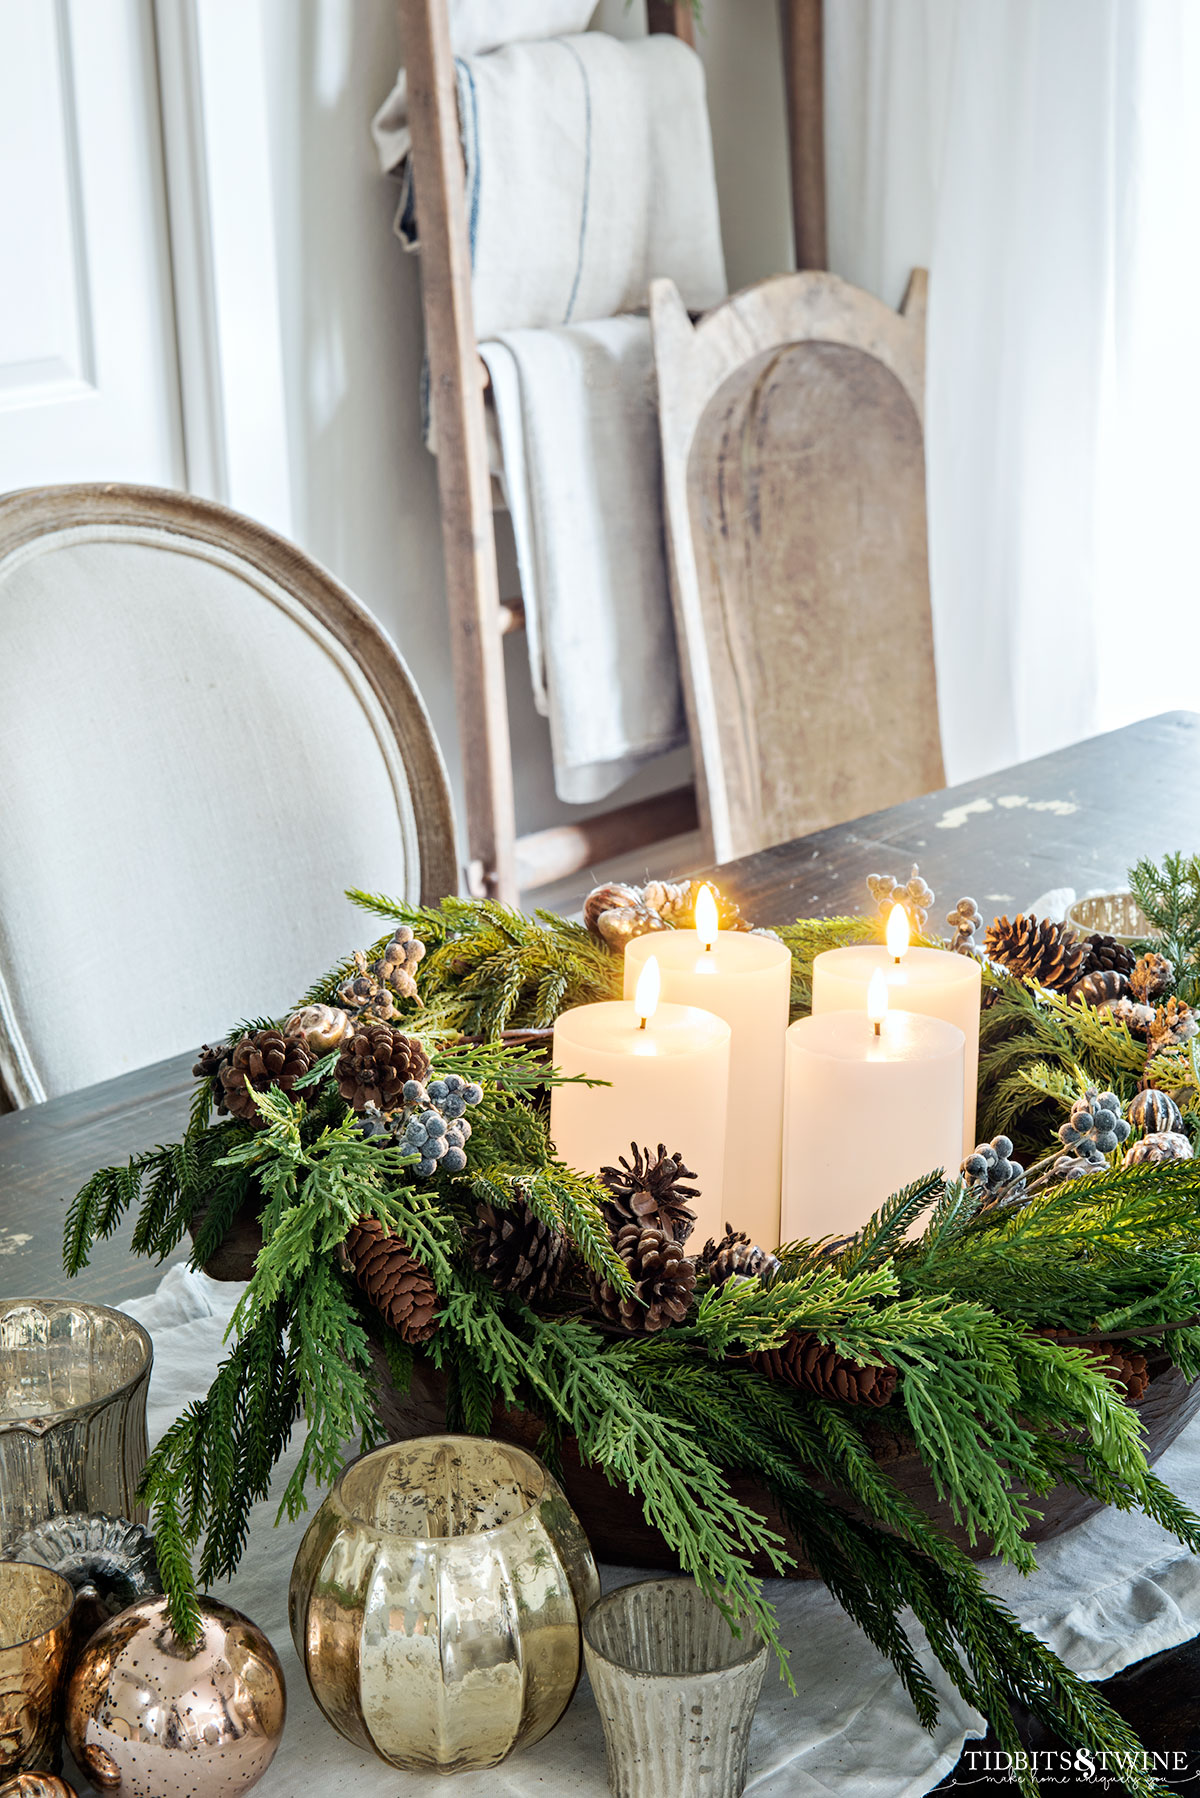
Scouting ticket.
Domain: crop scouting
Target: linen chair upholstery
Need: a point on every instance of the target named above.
(794, 492)
(204, 740)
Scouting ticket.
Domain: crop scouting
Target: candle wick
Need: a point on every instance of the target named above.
(878, 1027)
(642, 1023)
(896, 960)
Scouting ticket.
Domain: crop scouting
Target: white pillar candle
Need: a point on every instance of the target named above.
(668, 1073)
(935, 982)
(870, 1106)
(747, 981)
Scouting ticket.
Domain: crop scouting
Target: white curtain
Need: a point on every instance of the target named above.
(1042, 159)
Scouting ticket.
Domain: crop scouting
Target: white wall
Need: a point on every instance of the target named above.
(364, 489)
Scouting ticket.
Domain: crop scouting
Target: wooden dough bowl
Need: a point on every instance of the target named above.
(613, 1517)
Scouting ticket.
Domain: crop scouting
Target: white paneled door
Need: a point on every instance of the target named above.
(89, 387)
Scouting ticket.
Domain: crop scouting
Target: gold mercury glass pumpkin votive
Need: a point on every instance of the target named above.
(436, 1602)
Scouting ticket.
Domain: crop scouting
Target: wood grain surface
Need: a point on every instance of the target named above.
(1077, 817)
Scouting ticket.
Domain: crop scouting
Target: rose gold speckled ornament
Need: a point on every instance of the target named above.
(150, 1717)
(36, 1785)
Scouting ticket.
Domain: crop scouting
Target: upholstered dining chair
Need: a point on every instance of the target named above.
(204, 739)
(794, 487)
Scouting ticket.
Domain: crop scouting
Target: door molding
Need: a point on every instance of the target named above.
(214, 106)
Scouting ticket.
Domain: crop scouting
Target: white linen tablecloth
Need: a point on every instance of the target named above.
(1107, 1594)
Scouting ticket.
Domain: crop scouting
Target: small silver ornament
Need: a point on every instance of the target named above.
(916, 896)
(110, 1563)
(1154, 1112)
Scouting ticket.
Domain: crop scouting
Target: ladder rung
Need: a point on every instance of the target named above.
(565, 849)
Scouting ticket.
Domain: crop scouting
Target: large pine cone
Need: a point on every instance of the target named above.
(665, 1281)
(736, 1255)
(374, 1065)
(805, 1361)
(1037, 950)
(265, 1058)
(397, 1284)
(518, 1251)
(649, 1189)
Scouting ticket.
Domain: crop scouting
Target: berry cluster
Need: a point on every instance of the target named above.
(1095, 1127)
(916, 896)
(431, 1122)
(964, 921)
(991, 1166)
(369, 992)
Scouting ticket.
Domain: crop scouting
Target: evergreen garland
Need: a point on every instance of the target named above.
(998, 1413)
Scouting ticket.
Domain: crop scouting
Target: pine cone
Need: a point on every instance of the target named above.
(1101, 986)
(1106, 953)
(1159, 1145)
(1046, 952)
(1174, 1023)
(375, 1064)
(649, 1189)
(1123, 1365)
(1150, 977)
(211, 1059)
(1137, 1019)
(736, 1255)
(518, 1251)
(665, 1281)
(397, 1284)
(805, 1361)
(265, 1058)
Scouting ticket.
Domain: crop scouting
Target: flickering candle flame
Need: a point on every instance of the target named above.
(897, 932)
(877, 999)
(645, 997)
(707, 923)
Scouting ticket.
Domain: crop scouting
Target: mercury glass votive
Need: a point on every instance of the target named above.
(73, 1384)
(675, 1688)
(435, 1602)
(35, 1631)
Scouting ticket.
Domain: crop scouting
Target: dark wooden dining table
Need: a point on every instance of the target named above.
(1077, 817)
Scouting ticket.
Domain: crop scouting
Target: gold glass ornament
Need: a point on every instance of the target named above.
(35, 1633)
(73, 1383)
(435, 1602)
(149, 1714)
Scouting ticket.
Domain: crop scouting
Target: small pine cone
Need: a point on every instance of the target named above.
(265, 1058)
(518, 1251)
(803, 1360)
(1123, 1365)
(211, 1059)
(1154, 1111)
(396, 1283)
(1106, 953)
(613, 896)
(1159, 1145)
(665, 1280)
(1174, 1023)
(1150, 977)
(323, 1027)
(735, 1256)
(649, 1189)
(1101, 986)
(374, 1065)
(1037, 950)
(1137, 1019)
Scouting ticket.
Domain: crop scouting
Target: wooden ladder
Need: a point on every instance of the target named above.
(500, 862)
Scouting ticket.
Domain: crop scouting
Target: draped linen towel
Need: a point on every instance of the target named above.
(589, 171)
(577, 409)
